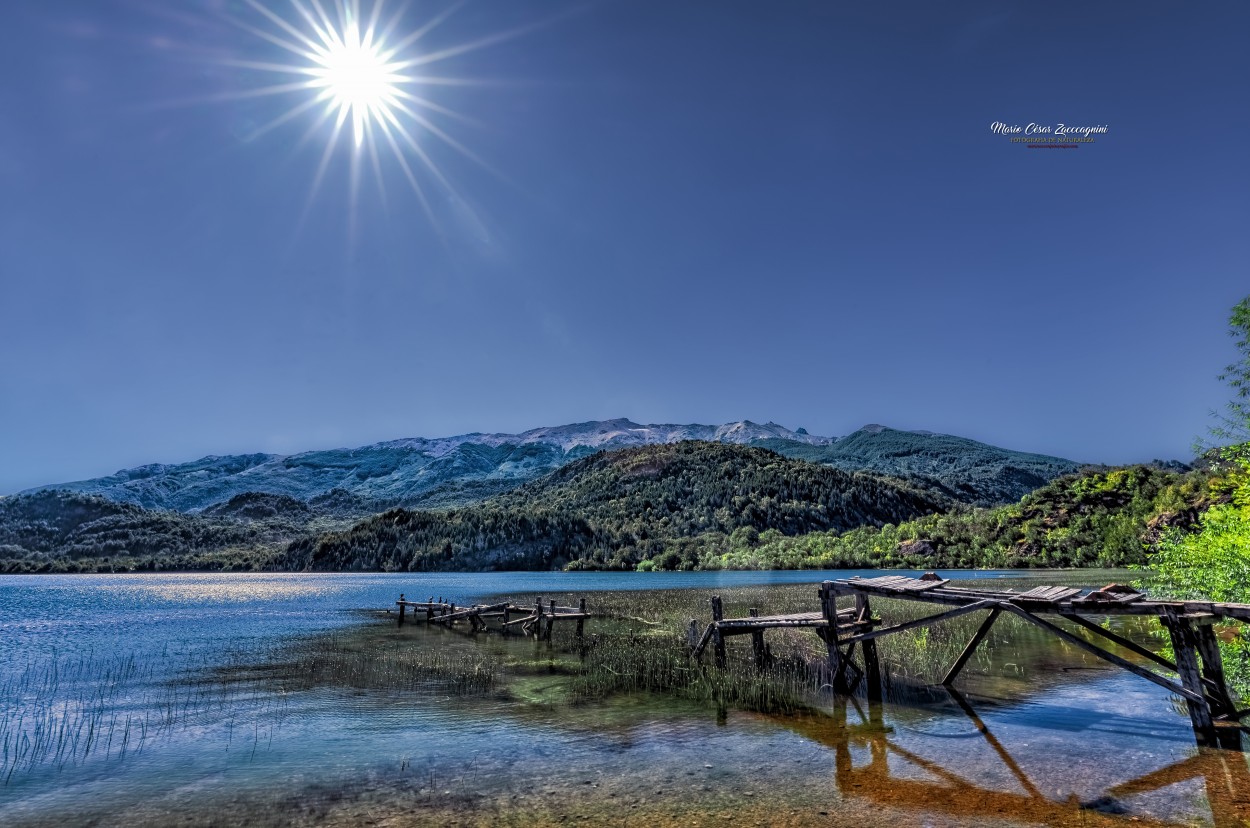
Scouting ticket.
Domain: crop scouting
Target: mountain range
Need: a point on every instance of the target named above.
(452, 471)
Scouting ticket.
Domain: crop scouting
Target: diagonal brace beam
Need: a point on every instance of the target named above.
(971, 648)
(921, 622)
(1095, 650)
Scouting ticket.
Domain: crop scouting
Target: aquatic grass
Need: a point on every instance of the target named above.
(639, 644)
(348, 661)
(65, 711)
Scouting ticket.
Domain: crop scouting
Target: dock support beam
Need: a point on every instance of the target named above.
(977, 638)
(403, 606)
(863, 615)
(829, 608)
(1185, 646)
(758, 648)
(718, 614)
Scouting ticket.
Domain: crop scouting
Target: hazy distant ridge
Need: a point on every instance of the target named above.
(451, 470)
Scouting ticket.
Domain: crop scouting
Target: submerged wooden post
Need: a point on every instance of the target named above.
(551, 622)
(1213, 670)
(829, 608)
(975, 642)
(757, 642)
(537, 625)
(863, 615)
(402, 607)
(581, 608)
(718, 614)
(1185, 646)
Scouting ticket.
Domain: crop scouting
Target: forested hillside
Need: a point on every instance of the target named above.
(617, 509)
(69, 532)
(1106, 518)
(969, 471)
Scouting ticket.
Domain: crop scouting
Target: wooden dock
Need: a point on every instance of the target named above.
(1198, 667)
(538, 620)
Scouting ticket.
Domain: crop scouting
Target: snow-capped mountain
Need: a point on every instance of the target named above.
(451, 470)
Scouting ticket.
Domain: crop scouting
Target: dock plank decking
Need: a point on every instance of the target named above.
(539, 619)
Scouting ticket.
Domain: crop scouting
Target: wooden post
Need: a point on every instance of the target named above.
(1213, 671)
(538, 618)
(1185, 646)
(757, 643)
(718, 639)
(581, 608)
(402, 607)
(507, 616)
(692, 635)
(977, 637)
(863, 614)
(829, 607)
(551, 622)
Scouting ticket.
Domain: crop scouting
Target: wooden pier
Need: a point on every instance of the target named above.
(1200, 673)
(538, 620)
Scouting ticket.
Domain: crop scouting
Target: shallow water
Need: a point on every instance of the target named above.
(1086, 746)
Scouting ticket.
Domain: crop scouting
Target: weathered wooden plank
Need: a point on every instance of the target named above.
(466, 613)
(1051, 594)
(526, 620)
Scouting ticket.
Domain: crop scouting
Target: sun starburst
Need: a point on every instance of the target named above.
(356, 78)
(355, 61)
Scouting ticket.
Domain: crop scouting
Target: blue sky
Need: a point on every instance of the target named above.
(686, 212)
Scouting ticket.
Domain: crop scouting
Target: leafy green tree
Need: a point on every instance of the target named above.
(1233, 424)
(1214, 563)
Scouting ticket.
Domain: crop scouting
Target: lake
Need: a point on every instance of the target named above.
(191, 700)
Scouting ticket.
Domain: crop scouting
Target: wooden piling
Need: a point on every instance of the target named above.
(581, 607)
(1185, 647)
(1213, 671)
(757, 643)
(403, 606)
(829, 608)
(872, 664)
(717, 639)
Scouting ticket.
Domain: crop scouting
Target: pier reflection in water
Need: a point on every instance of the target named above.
(897, 776)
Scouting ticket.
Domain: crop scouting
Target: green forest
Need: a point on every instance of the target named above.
(615, 510)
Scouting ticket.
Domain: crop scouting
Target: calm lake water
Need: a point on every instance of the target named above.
(118, 707)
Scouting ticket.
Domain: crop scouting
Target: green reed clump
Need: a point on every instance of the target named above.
(627, 663)
(346, 661)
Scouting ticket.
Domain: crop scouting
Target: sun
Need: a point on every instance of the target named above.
(356, 77)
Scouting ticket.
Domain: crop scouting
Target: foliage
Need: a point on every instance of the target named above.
(1214, 562)
(968, 471)
(1104, 518)
(54, 531)
(613, 510)
(1233, 425)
